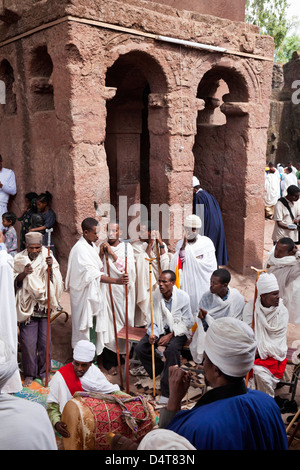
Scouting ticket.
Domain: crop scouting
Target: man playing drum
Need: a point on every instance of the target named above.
(79, 375)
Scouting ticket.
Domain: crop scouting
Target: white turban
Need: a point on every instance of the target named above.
(196, 182)
(8, 363)
(84, 351)
(267, 283)
(192, 221)
(160, 439)
(230, 345)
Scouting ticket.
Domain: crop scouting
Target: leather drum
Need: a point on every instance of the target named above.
(91, 416)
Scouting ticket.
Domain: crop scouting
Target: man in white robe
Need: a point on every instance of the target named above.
(85, 281)
(8, 188)
(8, 313)
(31, 269)
(270, 328)
(117, 257)
(220, 301)
(24, 424)
(290, 179)
(284, 263)
(272, 190)
(195, 260)
(77, 376)
(148, 246)
(172, 322)
(287, 215)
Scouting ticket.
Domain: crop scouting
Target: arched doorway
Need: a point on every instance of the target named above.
(220, 150)
(132, 129)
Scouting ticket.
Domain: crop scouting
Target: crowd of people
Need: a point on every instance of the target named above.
(189, 301)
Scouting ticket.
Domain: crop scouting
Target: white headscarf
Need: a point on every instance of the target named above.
(196, 182)
(84, 351)
(160, 439)
(267, 283)
(8, 363)
(192, 221)
(230, 345)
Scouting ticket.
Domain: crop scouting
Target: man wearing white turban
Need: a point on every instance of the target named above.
(79, 375)
(270, 326)
(229, 416)
(194, 262)
(24, 425)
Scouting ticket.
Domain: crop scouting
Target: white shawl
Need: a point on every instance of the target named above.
(8, 317)
(119, 295)
(200, 262)
(287, 272)
(270, 330)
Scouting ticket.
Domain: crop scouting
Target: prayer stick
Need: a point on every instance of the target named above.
(126, 322)
(151, 305)
(258, 273)
(158, 256)
(293, 421)
(114, 321)
(48, 313)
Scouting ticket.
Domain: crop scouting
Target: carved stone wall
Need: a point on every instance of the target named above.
(284, 126)
(116, 112)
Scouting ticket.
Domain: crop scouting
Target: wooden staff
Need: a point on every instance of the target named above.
(126, 321)
(48, 319)
(258, 273)
(151, 305)
(114, 321)
(158, 256)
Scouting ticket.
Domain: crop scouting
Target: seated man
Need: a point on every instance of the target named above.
(79, 375)
(172, 321)
(229, 416)
(271, 322)
(220, 301)
(284, 263)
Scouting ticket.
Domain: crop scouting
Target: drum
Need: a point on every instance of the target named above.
(91, 416)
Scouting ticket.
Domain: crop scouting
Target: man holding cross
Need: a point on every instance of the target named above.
(31, 275)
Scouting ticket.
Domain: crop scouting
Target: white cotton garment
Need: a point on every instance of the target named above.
(200, 262)
(8, 317)
(164, 439)
(87, 293)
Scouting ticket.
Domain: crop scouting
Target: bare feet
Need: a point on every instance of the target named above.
(112, 371)
(27, 381)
